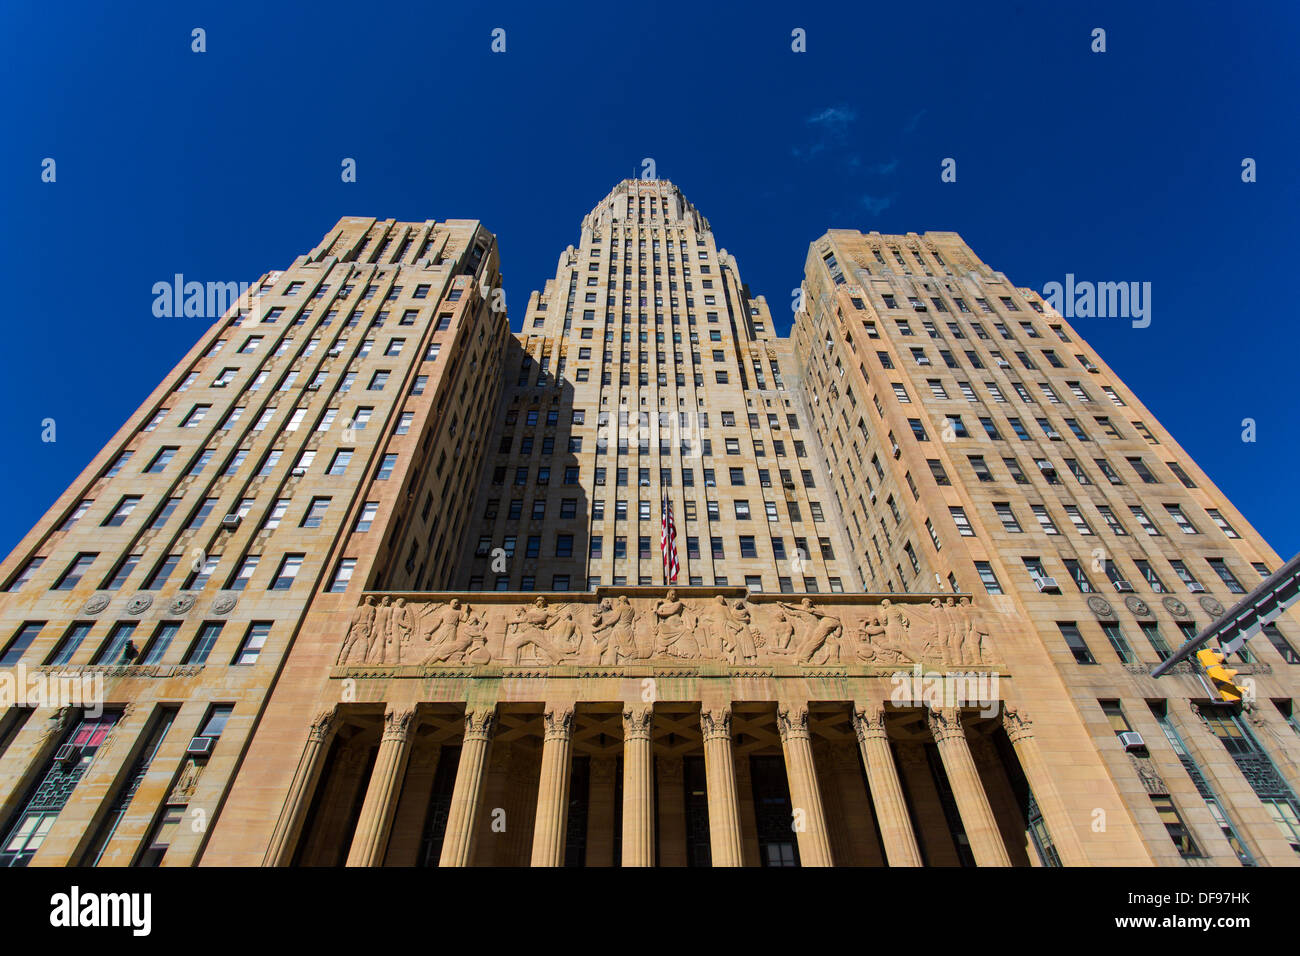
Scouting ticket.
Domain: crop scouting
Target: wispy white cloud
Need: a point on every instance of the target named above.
(830, 125)
(875, 205)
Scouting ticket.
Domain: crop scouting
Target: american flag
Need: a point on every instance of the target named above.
(668, 542)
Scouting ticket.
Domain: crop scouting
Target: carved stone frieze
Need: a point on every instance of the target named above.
(671, 631)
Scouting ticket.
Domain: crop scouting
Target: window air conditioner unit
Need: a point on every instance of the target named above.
(65, 754)
(298, 472)
(645, 483)
(1132, 740)
(1195, 587)
(710, 483)
(230, 521)
(1089, 366)
(1046, 584)
(219, 383)
(313, 386)
(200, 746)
(333, 353)
(1123, 586)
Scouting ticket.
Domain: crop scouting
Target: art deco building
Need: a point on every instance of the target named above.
(461, 646)
(303, 442)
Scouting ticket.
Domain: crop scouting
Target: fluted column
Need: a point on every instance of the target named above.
(1055, 816)
(810, 818)
(886, 791)
(466, 796)
(638, 786)
(371, 836)
(306, 777)
(720, 779)
(967, 789)
(553, 788)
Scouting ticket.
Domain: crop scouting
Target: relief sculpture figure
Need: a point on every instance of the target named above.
(553, 634)
(675, 628)
(357, 643)
(819, 637)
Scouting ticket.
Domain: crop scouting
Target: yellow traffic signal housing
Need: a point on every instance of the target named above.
(1221, 676)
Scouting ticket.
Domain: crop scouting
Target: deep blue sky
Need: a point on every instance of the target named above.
(222, 165)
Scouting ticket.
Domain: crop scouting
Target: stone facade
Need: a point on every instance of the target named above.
(898, 636)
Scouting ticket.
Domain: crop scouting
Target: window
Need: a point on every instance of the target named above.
(1007, 516)
(1281, 644)
(1142, 471)
(246, 569)
(1222, 523)
(343, 575)
(162, 572)
(289, 567)
(68, 645)
(1044, 519)
(253, 642)
(1220, 567)
(339, 464)
(315, 512)
(1145, 521)
(386, 466)
(76, 570)
(202, 646)
(1079, 576)
(1075, 642)
(988, 578)
(961, 521)
(1180, 519)
(122, 511)
(19, 643)
(124, 571)
(117, 648)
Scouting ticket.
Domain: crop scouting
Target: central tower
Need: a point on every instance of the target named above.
(647, 374)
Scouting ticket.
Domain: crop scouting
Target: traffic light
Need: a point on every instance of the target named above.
(1222, 677)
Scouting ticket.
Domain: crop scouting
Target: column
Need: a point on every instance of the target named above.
(1056, 818)
(306, 777)
(810, 819)
(886, 792)
(972, 803)
(458, 841)
(638, 786)
(553, 788)
(376, 820)
(720, 779)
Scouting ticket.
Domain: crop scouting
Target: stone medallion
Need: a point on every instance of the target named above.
(181, 604)
(1175, 607)
(1099, 606)
(95, 604)
(139, 604)
(224, 604)
(1212, 607)
(1137, 606)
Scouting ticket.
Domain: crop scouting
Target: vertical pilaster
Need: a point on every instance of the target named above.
(553, 788)
(810, 818)
(638, 786)
(720, 778)
(458, 843)
(376, 820)
(306, 777)
(886, 792)
(972, 803)
(1057, 820)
